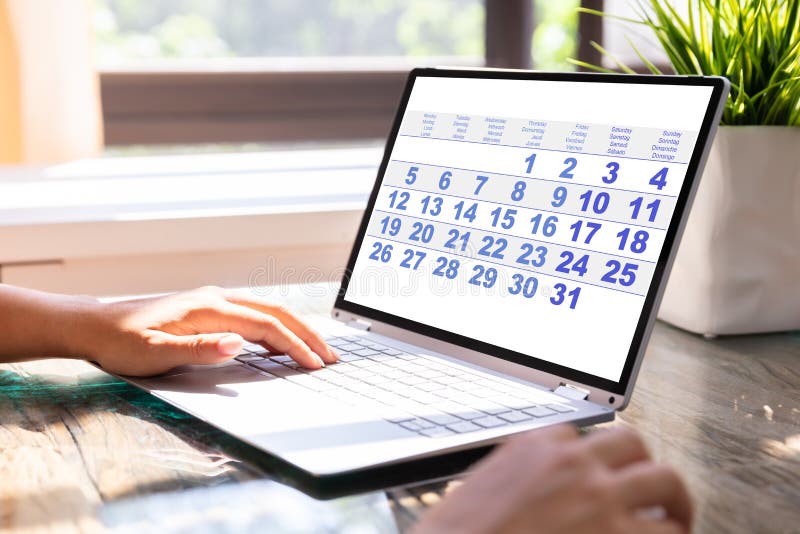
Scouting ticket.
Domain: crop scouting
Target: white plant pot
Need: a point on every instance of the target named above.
(738, 266)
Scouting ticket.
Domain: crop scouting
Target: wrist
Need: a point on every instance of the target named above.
(74, 322)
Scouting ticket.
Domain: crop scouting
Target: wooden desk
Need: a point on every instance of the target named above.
(82, 451)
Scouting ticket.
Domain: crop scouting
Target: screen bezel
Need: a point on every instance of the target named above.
(658, 282)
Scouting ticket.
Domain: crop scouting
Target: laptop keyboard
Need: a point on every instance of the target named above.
(432, 397)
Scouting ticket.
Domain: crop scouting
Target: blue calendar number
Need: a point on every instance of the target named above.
(530, 160)
(493, 247)
(561, 294)
(399, 199)
(529, 250)
(466, 212)
(445, 180)
(455, 237)
(431, 205)
(412, 259)
(525, 286)
(660, 179)
(483, 276)
(448, 269)
(559, 196)
(639, 242)
(546, 225)
(592, 228)
(421, 232)
(569, 264)
(391, 224)
(652, 208)
(600, 203)
(508, 219)
(613, 169)
(411, 177)
(481, 182)
(381, 252)
(570, 163)
(519, 191)
(624, 275)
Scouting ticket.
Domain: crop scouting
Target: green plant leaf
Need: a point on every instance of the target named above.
(754, 43)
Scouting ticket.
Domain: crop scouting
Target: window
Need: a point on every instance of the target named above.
(128, 32)
(201, 71)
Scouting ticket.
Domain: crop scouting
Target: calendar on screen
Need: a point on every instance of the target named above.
(529, 214)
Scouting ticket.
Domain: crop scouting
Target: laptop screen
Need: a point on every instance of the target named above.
(527, 217)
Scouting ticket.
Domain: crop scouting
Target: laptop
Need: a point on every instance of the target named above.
(505, 277)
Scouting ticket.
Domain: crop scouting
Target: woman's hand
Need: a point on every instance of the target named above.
(550, 481)
(204, 326)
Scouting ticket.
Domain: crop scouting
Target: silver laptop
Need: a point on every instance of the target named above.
(505, 277)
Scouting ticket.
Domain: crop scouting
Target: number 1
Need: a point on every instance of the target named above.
(529, 160)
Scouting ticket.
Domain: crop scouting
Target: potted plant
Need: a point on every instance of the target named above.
(738, 265)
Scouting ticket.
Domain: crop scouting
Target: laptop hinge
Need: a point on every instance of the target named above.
(571, 392)
(360, 324)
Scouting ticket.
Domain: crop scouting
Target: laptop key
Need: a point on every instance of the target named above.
(392, 352)
(491, 408)
(437, 432)
(310, 382)
(429, 373)
(244, 358)
(539, 411)
(440, 418)
(380, 357)
(513, 402)
(376, 380)
(365, 352)
(514, 417)
(462, 412)
(447, 380)
(423, 423)
(429, 386)
(489, 422)
(560, 408)
(411, 380)
(274, 368)
(410, 425)
(394, 415)
(351, 347)
(426, 398)
(373, 346)
(463, 427)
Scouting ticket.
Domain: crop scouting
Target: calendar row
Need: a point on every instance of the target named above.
(644, 209)
(605, 237)
(486, 277)
(564, 262)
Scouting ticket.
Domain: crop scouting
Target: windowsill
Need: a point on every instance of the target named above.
(176, 187)
(111, 207)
